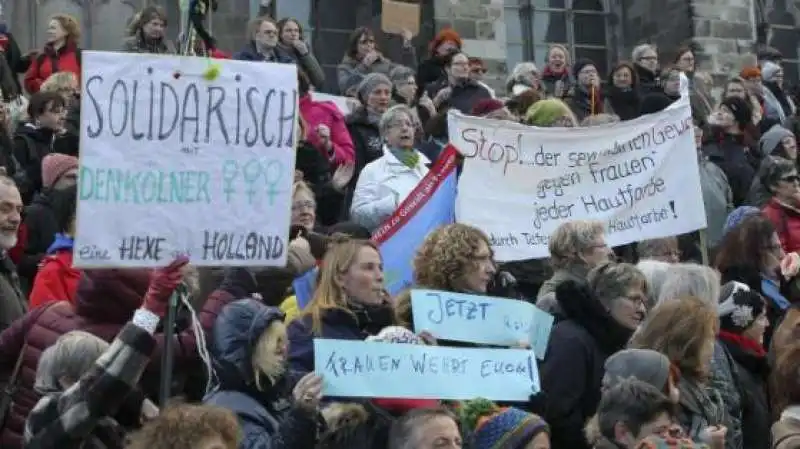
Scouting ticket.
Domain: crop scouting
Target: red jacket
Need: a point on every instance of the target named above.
(56, 280)
(786, 220)
(105, 302)
(66, 59)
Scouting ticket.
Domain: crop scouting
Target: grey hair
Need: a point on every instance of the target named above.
(655, 247)
(520, 70)
(640, 50)
(632, 402)
(773, 169)
(600, 119)
(73, 354)
(400, 73)
(404, 431)
(388, 118)
(691, 279)
(571, 238)
(610, 280)
(655, 273)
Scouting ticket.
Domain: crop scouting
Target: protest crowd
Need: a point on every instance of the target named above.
(398, 320)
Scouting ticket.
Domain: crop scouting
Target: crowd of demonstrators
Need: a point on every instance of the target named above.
(683, 341)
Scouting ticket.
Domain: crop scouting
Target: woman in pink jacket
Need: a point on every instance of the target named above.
(326, 127)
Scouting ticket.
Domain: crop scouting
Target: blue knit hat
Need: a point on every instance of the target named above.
(737, 216)
(499, 427)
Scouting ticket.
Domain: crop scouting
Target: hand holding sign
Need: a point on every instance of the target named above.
(308, 392)
(481, 320)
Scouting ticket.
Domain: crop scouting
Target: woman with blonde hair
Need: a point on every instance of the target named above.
(350, 302)
(555, 79)
(685, 330)
(60, 54)
(249, 351)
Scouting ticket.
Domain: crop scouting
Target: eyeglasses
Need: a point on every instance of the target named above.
(791, 179)
(270, 32)
(648, 58)
(300, 205)
(637, 300)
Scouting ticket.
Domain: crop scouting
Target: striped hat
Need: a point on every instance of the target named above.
(500, 427)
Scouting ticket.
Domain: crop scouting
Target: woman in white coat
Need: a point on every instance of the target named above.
(385, 182)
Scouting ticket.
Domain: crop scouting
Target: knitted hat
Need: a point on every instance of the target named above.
(446, 35)
(739, 307)
(771, 140)
(769, 70)
(544, 113)
(737, 216)
(54, 166)
(579, 65)
(750, 72)
(493, 427)
(645, 365)
(401, 74)
(741, 109)
(655, 102)
(665, 442)
(371, 82)
(487, 106)
(396, 334)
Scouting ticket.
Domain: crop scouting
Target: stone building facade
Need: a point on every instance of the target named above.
(502, 32)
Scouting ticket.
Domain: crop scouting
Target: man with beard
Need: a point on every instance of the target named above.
(12, 301)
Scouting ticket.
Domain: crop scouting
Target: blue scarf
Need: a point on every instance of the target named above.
(62, 241)
(772, 290)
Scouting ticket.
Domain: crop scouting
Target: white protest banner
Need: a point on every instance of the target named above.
(180, 155)
(519, 183)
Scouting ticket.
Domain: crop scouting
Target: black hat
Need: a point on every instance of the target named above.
(739, 307)
(579, 65)
(742, 112)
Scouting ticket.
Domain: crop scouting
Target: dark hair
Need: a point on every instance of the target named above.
(519, 104)
(355, 426)
(282, 23)
(64, 203)
(633, 403)
(773, 170)
(146, 15)
(355, 37)
(448, 60)
(744, 246)
(437, 125)
(42, 102)
(624, 65)
(403, 429)
(303, 83)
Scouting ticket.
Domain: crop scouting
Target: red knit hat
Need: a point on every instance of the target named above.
(446, 35)
(487, 106)
(750, 72)
(54, 166)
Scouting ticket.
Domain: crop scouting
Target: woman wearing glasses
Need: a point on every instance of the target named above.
(263, 43)
(363, 58)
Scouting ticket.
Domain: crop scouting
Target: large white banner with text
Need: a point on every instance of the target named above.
(519, 183)
(184, 155)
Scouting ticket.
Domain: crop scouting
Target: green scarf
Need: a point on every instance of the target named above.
(409, 158)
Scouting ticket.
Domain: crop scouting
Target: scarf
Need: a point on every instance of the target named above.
(772, 290)
(747, 344)
(409, 158)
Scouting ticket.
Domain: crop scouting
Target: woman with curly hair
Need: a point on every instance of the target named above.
(454, 258)
(189, 427)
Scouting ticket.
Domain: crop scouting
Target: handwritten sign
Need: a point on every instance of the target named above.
(481, 319)
(386, 370)
(519, 183)
(176, 161)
